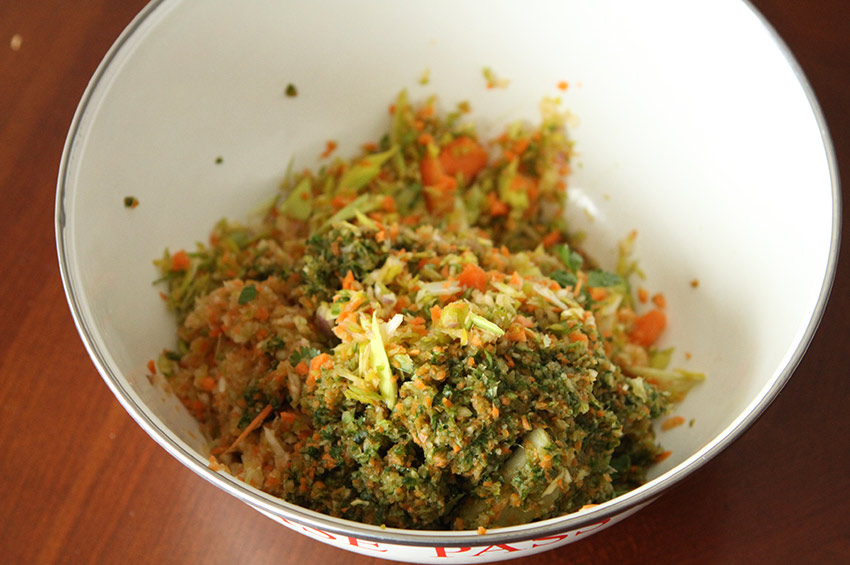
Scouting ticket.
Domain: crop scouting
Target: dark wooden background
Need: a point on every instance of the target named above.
(81, 482)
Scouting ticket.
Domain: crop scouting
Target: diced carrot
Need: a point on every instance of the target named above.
(516, 333)
(341, 200)
(597, 293)
(320, 361)
(577, 336)
(525, 183)
(551, 238)
(662, 456)
(473, 276)
(496, 206)
(563, 85)
(439, 197)
(672, 422)
(330, 147)
(516, 280)
(151, 367)
(261, 313)
(435, 313)
(348, 281)
(302, 368)
(208, 383)
(180, 261)
(288, 418)
(648, 328)
(388, 204)
(369, 147)
(521, 145)
(349, 308)
(418, 321)
(642, 295)
(659, 300)
(465, 156)
(431, 170)
(315, 369)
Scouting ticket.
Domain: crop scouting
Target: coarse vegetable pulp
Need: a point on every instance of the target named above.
(408, 338)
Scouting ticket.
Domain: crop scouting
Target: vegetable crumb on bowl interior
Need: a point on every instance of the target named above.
(413, 339)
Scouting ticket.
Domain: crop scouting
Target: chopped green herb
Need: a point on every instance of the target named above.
(303, 354)
(603, 278)
(248, 294)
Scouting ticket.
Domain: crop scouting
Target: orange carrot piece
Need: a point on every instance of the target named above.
(348, 281)
(659, 300)
(496, 206)
(330, 147)
(315, 369)
(435, 313)
(180, 261)
(431, 170)
(577, 336)
(340, 201)
(151, 367)
(255, 423)
(319, 361)
(672, 422)
(288, 418)
(208, 383)
(643, 295)
(465, 156)
(439, 197)
(521, 145)
(597, 293)
(473, 276)
(302, 368)
(648, 328)
(551, 238)
(388, 204)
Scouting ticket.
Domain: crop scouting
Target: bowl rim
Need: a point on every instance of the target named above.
(433, 538)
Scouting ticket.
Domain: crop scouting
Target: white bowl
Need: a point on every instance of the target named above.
(694, 126)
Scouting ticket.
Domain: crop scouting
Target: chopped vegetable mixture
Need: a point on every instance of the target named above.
(409, 339)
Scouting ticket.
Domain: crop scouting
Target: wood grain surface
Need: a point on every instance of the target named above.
(80, 482)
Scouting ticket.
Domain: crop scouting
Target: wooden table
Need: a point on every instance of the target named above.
(81, 482)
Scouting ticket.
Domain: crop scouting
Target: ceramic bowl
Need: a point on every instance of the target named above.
(692, 123)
